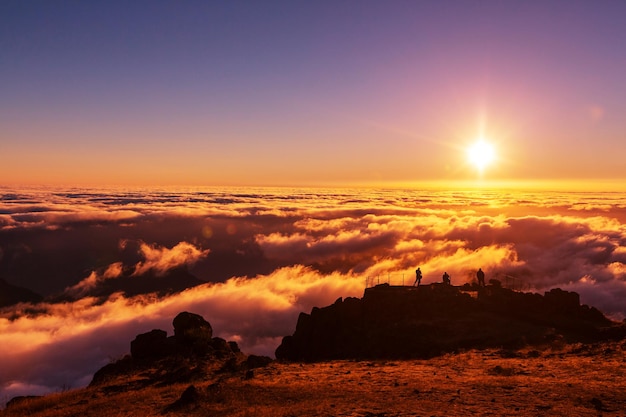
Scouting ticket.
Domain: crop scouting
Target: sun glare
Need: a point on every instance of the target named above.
(481, 154)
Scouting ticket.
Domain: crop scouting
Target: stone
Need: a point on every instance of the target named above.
(150, 345)
(189, 397)
(20, 400)
(234, 346)
(221, 348)
(190, 328)
(254, 361)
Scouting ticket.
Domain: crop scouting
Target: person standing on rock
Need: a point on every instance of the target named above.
(480, 275)
(418, 277)
(446, 278)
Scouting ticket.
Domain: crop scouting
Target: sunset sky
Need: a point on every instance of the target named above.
(300, 93)
(144, 138)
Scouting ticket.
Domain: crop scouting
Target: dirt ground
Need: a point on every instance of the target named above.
(581, 383)
(574, 380)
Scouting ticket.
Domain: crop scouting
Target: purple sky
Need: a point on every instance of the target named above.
(219, 93)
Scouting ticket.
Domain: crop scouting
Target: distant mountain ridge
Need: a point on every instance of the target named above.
(12, 294)
(407, 322)
(171, 281)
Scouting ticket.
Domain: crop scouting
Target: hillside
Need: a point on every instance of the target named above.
(565, 359)
(552, 380)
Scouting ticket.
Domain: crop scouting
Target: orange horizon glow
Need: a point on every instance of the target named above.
(563, 184)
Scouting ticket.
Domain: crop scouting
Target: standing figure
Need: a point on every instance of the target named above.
(446, 278)
(480, 275)
(418, 277)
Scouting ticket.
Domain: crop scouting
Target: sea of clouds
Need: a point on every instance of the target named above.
(267, 254)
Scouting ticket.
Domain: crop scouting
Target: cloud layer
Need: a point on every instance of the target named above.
(267, 254)
(65, 344)
(157, 260)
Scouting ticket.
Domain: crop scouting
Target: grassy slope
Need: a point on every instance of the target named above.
(572, 380)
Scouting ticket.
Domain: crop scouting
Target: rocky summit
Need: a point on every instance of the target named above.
(191, 354)
(422, 322)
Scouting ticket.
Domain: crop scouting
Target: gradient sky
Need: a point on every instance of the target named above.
(277, 93)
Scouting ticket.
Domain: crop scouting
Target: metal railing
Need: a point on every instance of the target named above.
(408, 280)
(391, 279)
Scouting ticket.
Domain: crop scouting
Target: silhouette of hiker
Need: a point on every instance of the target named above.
(418, 277)
(480, 275)
(446, 278)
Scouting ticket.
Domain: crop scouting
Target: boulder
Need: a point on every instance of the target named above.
(189, 397)
(151, 345)
(221, 348)
(234, 346)
(255, 361)
(287, 349)
(113, 370)
(191, 329)
(20, 400)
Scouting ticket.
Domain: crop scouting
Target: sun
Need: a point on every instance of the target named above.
(481, 154)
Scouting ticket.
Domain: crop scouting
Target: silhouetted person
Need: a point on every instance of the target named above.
(480, 275)
(446, 278)
(418, 277)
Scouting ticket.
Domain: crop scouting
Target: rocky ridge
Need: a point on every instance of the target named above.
(407, 322)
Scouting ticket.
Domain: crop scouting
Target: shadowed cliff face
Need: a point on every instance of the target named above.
(407, 322)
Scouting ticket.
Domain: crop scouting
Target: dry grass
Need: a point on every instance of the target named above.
(576, 380)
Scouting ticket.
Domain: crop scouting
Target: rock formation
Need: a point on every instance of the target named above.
(191, 328)
(183, 357)
(408, 322)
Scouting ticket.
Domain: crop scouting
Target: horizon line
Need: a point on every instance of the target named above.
(571, 185)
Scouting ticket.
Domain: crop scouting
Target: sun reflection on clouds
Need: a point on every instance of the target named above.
(164, 259)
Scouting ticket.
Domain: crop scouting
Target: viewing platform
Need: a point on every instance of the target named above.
(406, 280)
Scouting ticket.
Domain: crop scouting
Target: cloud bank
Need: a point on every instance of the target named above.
(156, 259)
(64, 344)
(267, 254)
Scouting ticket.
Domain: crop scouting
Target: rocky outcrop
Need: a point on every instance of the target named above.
(192, 336)
(408, 322)
(190, 328)
(151, 345)
(16, 401)
(183, 357)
